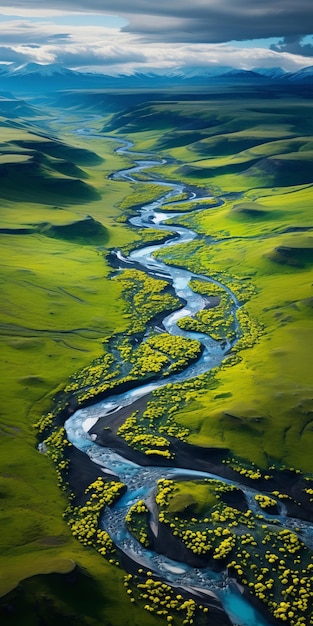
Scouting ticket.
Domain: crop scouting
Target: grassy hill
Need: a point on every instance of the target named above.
(58, 306)
(256, 156)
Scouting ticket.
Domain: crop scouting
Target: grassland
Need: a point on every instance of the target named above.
(256, 154)
(60, 307)
(258, 160)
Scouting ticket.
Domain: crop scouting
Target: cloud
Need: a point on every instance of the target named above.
(172, 34)
(203, 21)
(82, 56)
(223, 21)
(293, 45)
(25, 32)
(40, 33)
(77, 46)
(129, 56)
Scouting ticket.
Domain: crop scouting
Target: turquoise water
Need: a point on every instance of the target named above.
(240, 611)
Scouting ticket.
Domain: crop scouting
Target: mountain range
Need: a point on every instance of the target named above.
(34, 77)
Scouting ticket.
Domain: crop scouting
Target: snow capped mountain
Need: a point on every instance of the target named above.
(271, 72)
(42, 70)
(198, 71)
(35, 78)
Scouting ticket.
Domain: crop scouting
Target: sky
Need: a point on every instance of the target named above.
(123, 36)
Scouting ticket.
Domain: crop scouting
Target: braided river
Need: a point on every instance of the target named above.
(141, 482)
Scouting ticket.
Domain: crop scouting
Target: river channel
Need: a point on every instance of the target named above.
(141, 481)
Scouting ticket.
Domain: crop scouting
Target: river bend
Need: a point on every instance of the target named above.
(141, 481)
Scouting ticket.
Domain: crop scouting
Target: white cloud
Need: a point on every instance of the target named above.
(94, 45)
(128, 56)
(24, 11)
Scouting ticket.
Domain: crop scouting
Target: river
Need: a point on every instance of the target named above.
(141, 481)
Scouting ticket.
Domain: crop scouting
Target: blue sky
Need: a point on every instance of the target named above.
(123, 36)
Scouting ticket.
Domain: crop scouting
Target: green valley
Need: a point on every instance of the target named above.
(83, 320)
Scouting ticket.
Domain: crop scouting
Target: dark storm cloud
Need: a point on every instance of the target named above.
(225, 20)
(294, 45)
(199, 21)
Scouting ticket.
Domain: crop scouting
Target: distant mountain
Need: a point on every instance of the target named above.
(271, 72)
(34, 78)
(304, 75)
(195, 71)
(31, 69)
(242, 76)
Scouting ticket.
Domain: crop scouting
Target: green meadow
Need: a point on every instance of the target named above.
(61, 215)
(255, 154)
(58, 306)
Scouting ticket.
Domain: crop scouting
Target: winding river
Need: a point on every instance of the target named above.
(141, 481)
